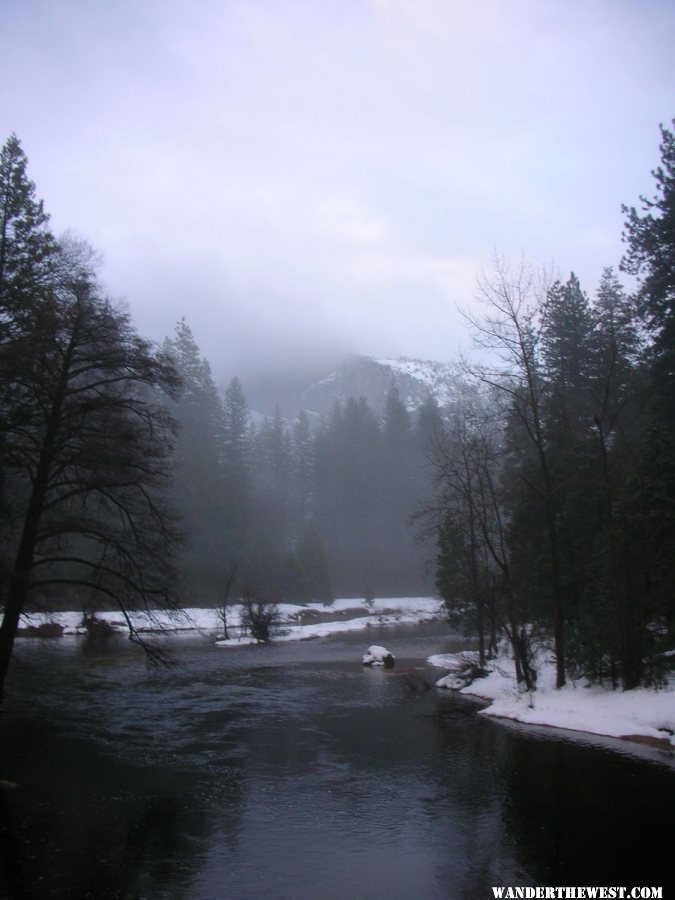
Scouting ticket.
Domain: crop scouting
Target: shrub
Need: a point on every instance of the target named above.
(259, 615)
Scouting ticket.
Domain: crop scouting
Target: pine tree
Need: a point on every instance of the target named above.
(650, 505)
(401, 497)
(272, 540)
(567, 356)
(651, 256)
(237, 470)
(28, 251)
(199, 486)
(348, 495)
(311, 556)
(302, 468)
(28, 255)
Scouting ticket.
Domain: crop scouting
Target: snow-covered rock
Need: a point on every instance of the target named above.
(378, 656)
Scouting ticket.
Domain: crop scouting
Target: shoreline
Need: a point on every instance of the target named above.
(642, 716)
(295, 621)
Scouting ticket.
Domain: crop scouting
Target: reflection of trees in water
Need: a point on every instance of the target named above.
(417, 780)
(83, 825)
(111, 804)
(193, 780)
(470, 802)
(581, 815)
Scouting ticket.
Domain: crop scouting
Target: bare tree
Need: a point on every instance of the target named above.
(259, 615)
(511, 331)
(86, 441)
(474, 559)
(230, 575)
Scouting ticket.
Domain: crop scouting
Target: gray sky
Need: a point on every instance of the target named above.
(334, 173)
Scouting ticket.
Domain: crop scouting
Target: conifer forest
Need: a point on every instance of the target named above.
(539, 500)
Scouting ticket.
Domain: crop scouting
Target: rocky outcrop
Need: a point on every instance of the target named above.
(372, 379)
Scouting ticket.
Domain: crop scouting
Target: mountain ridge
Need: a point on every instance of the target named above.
(359, 376)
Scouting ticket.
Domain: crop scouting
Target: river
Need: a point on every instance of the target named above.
(291, 771)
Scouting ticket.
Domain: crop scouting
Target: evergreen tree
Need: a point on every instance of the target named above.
(272, 541)
(599, 641)
(311, 557)
(237, 471)
(28, 251)
(199, 485)
(650, 504)
(302, 473)
(428, 426)
(402, 493)
(348, 496)
(651, 256)
(28, 257)
(567, 355)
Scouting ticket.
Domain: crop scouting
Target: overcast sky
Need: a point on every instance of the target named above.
(334, 173)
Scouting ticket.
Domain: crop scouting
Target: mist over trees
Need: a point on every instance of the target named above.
(128, 478)
(292, 511)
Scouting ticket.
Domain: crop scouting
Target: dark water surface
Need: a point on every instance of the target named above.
(293, 772)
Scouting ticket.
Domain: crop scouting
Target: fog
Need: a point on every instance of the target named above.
(303, 179)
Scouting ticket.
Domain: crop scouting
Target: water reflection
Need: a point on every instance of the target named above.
(81, 825)
(597, 813)
(294, 772)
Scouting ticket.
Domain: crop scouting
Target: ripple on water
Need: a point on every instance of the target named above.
(299, 773)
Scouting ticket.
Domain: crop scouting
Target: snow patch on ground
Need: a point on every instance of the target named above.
(341, 615)
(578, 706)
(383, 611)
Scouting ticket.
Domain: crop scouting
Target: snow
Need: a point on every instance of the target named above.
(578, 706)
(439, 378)
(382, 611)
(154, 620)
(343, 615)
(377, 656)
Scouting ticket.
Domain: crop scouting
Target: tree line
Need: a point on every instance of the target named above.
(555, 513)
(293, 509)
(128, 481)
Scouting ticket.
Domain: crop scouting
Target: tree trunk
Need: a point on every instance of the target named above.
(23, 563)
(19, 584)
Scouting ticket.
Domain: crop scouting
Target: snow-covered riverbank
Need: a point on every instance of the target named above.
(641, 713)
(296, 621)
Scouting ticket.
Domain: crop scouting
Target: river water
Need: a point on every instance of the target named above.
(291, 771)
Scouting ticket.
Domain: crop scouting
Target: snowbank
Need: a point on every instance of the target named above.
(339, 616)
(577, 706)
(384, 611)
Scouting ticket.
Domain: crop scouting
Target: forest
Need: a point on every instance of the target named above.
(545, 491)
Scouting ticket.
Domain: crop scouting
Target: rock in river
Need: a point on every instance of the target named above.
(378, 656)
